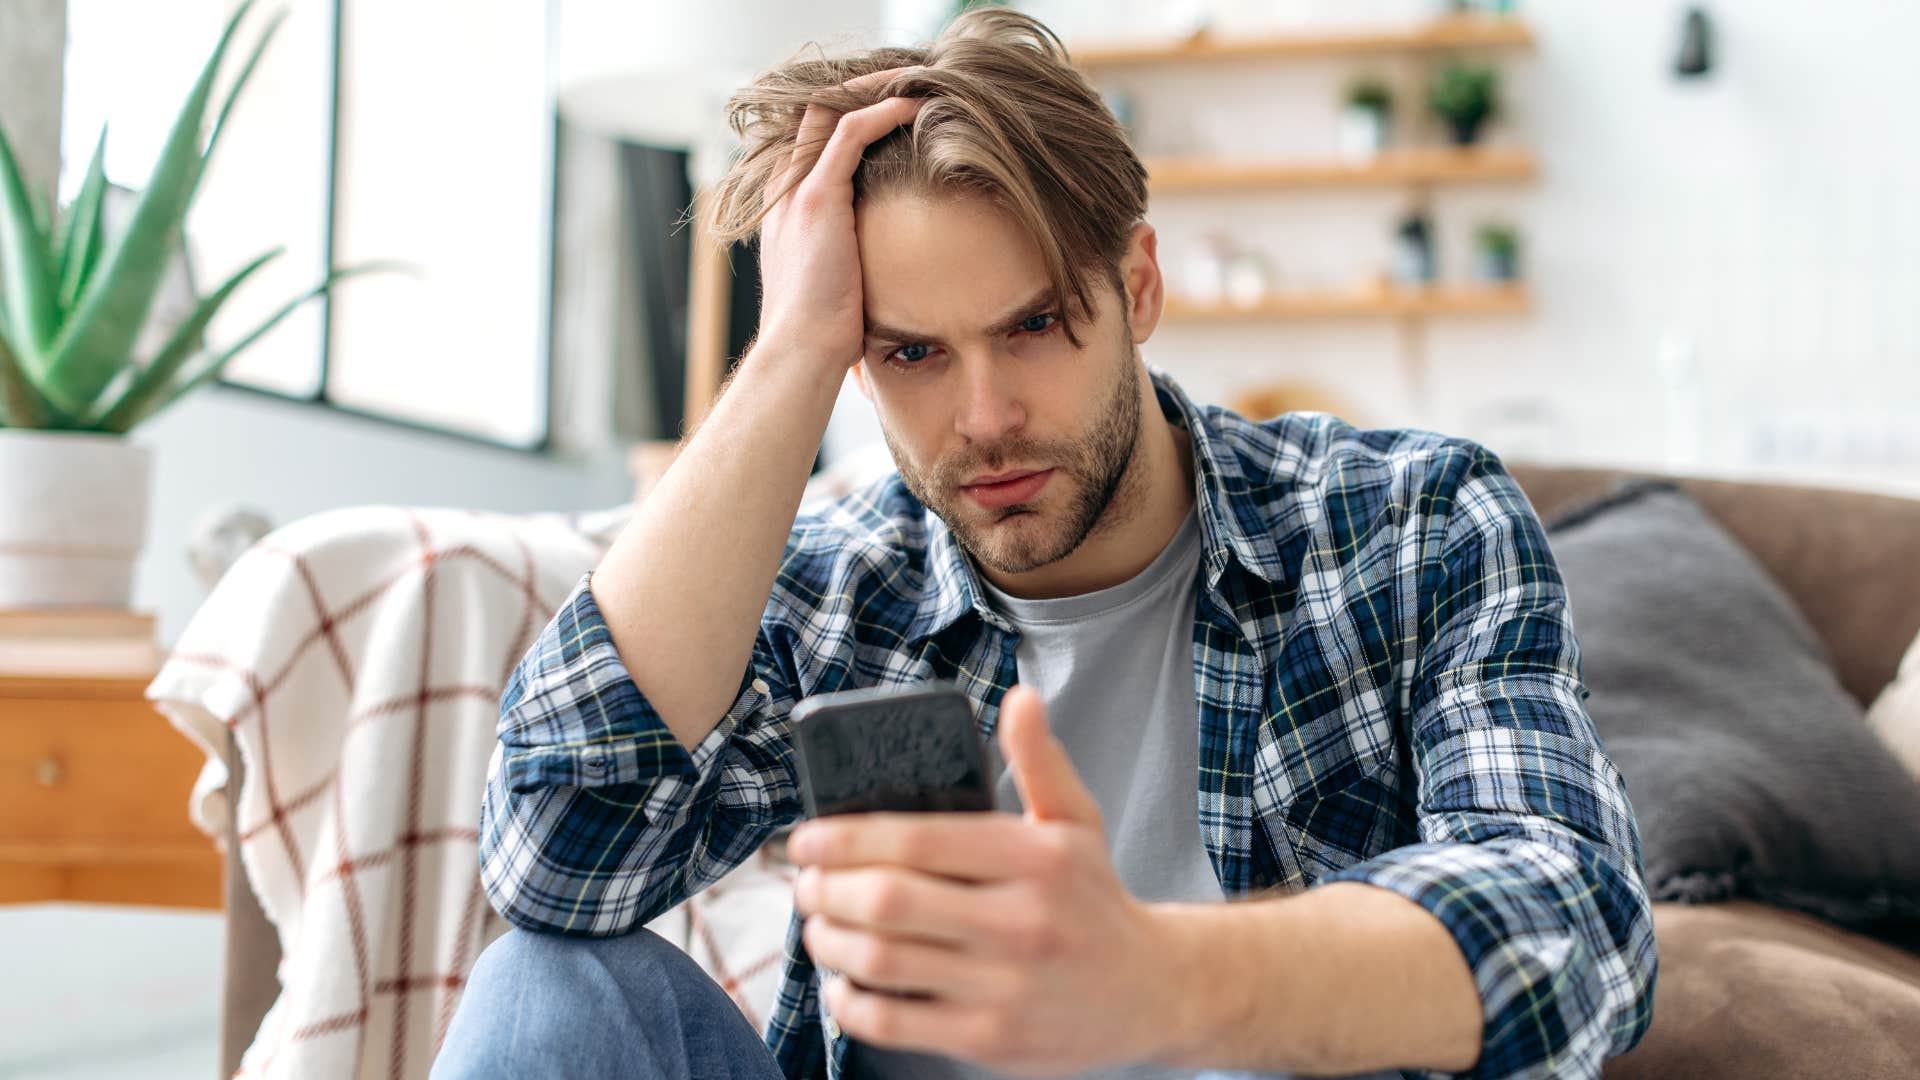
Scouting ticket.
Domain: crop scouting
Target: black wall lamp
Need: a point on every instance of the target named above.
(1696, 45)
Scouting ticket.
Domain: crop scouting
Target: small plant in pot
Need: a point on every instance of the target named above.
(76, 299)
(1367, 119)
(1465, 96)
(1499, 246)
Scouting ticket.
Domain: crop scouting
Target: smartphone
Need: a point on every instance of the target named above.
(912, 748)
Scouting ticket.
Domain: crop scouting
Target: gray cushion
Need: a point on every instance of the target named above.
(1750, 769)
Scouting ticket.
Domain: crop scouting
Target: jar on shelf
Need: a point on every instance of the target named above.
(1203, 277)
(1248, 277)
(1413, 262)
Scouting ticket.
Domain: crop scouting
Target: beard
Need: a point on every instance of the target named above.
(1089, 491)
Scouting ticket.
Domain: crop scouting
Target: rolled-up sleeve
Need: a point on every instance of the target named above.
(595, 817)
(1529, 852)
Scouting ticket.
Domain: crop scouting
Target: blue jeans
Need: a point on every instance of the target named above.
(540, 1005)
(629, 1006)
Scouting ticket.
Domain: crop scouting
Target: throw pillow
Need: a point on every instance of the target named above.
(1750, 769)
(1895, 715)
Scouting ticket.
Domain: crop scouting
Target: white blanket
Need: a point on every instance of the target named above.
(358, 658)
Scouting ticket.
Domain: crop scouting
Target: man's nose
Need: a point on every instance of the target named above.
(989, 407)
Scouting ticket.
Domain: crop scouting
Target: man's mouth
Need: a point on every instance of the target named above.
(1005, 489)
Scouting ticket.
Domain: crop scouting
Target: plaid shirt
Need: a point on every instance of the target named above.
(1388, 690)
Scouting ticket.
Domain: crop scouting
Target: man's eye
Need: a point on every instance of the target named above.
(1037, 324)
(910, 353)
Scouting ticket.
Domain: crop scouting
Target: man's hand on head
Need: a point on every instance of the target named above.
(809, 257)
(994, 938)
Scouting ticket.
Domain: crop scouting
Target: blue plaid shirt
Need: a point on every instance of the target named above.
(1388, 690)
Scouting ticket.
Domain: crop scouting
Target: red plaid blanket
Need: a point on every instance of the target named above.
(357, 656)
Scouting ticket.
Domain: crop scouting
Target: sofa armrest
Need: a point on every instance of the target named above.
(250, 979)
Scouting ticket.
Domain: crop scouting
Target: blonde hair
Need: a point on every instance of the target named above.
(1007, 118)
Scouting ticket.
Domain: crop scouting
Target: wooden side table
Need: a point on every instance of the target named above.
(94, 784)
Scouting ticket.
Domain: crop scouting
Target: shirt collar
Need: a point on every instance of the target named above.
(1232, 526)
(1234, 522)
(952, 587)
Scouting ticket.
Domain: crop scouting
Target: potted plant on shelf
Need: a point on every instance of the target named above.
(1499, 251)
(1465, 96)
(1366, 119)
(75, 299)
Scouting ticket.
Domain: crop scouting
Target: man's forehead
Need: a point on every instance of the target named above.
(944, 257)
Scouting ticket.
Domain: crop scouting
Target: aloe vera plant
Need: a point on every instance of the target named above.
(73, 301)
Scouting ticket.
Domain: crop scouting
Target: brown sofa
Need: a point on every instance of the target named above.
(1744, 989)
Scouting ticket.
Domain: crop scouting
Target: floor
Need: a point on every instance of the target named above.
(98, 992)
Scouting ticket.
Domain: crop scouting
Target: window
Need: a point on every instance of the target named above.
(413, 131)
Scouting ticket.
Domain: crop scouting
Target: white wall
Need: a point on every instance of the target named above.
(290, 459)
(1763, 215)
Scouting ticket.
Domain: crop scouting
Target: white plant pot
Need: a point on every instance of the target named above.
(1363, 133)
(73, 517)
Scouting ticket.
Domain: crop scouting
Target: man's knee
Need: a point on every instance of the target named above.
(541, 1001)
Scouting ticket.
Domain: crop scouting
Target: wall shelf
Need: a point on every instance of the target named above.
(1397, 301)
(1427, 165)
(1419, 168)
(1447, 32)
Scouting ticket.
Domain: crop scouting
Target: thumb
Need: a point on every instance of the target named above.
(1050, 787)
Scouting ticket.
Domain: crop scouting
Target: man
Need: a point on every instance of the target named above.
(1384, 759)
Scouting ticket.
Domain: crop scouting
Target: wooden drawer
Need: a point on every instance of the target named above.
(95, 784)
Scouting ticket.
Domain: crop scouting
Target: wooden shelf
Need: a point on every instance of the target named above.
(1363, 302)
(1448, 32)
(1434, 165)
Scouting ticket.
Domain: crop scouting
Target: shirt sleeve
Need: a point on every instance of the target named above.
(596, 818)
(1529, 852)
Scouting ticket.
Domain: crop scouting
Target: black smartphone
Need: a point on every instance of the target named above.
(912, 748)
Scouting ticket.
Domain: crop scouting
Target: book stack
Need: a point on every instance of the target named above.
(78, 641)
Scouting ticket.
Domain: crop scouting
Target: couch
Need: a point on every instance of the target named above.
(1845, 560)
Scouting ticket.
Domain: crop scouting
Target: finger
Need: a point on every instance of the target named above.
(816, 127)
(1050, 787)
(850, 138)
(818, 121)
(901, 965)
(970, 846)
(854, 133)
(891, 900)
(962, 1030)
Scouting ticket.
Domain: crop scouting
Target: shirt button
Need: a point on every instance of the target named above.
(760, 686)
(596, 763)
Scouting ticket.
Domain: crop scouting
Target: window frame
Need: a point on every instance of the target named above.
(541, 447)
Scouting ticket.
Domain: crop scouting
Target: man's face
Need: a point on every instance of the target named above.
(968, 364)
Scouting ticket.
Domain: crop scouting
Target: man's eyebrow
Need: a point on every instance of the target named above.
(1040, 303)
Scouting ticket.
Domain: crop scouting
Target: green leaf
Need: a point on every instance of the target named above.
(159, 400)
(20, 404)
(42, 214)
(98, 337)
(33, 313)
(246, 72)
(81, 228)
(185, 341)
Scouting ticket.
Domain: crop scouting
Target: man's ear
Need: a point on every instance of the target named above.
(1140, 274)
